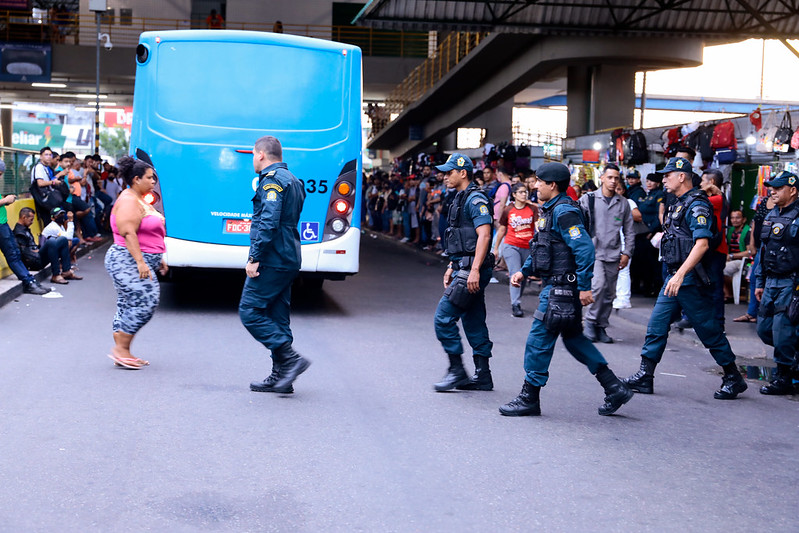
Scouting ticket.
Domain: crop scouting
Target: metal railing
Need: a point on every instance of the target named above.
(449, 53)
(19, 165)
(124, 31)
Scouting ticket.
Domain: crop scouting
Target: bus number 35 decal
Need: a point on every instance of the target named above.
(312, 186)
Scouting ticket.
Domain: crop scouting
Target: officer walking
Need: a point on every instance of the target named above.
(468, 241)
(273, 264)
(562, 254)
(688, 231)
(777, 280)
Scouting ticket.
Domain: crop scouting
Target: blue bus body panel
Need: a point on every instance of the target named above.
(202, 98)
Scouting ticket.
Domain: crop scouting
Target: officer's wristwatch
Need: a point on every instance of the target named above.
(250, 260)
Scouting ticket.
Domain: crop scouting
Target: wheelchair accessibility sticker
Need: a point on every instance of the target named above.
(309, 231)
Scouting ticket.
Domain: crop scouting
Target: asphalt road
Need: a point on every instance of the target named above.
(364, 444)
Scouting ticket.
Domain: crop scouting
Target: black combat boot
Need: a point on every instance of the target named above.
(616, 392)
(732, 384)
(291, 366)
(642, 381)
(526, 403)
(781, 384)
(589, 331)
(268, 384)
(456, 375)
(482, 376)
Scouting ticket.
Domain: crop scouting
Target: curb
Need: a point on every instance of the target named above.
(14, 289)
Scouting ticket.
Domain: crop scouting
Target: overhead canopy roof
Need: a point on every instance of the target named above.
(721, 19)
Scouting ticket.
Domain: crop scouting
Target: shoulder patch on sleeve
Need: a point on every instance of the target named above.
(483, 209)
(701, 210)
(574, 232)
(274, 186)
(479, 199)
(567, 219)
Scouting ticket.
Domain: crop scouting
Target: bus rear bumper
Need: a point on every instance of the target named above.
(340, 256)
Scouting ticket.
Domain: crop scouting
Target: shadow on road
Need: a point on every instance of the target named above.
(220, 290)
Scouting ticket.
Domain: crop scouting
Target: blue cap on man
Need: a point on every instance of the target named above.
(783, 178)
(457, 162)
(677, 164)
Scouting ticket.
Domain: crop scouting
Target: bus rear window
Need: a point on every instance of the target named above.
(241, 85)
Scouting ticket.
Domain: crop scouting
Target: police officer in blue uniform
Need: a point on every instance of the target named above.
(778, 281)
(273, 264)
(468, 242)
(689, 228)
(562, 254)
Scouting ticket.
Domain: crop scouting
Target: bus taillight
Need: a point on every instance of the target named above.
(344, 188)
(341, 207)
(150, 198)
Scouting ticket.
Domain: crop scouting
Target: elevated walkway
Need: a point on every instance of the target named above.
(601, 89)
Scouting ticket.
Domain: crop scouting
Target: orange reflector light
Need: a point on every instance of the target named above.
(150, 198)
(344, 188)
(157, 40)
(341, 207)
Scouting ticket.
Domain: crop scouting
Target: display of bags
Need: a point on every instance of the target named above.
(636, 153)
(795, 140)
(782, 138)
(724, 136)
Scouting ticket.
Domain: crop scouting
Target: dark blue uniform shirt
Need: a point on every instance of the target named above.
(480, 212)
(649, 206)
(568, 223)
(276, 207)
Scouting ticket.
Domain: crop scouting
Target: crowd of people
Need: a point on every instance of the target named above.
(73, 198)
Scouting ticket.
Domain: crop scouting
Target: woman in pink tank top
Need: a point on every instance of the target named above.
(134, 257)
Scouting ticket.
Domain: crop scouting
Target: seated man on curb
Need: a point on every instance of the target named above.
(10, 250)
(53, 251)
(62, 225)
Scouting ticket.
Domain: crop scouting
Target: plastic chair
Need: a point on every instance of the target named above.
(737, 277)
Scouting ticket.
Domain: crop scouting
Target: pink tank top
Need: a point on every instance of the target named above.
(151, 234)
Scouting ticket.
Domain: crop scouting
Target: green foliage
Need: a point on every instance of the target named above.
(114, 143)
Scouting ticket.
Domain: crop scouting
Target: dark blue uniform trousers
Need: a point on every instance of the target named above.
(9, 249)
(541, 346)
(265, 306)
(697, 304)
(776, 330)
(473, 319)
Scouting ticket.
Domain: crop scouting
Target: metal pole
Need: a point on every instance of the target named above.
(643, 101)
(97, 91)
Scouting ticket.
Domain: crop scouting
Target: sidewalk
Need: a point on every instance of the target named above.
(749, 349)
(11, 287)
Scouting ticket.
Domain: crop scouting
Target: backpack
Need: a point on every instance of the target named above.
(724, 136)
(703, 143)
(637, 154)
(523, 151)
(492, 191)
(510, 153)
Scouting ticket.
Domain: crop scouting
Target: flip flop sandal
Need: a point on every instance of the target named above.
(125, 362)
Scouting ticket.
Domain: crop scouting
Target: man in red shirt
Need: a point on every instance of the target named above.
(214, 21)
(712, 181)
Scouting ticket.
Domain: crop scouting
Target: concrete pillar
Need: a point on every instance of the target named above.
(599, 98)
(578, 100)
(613, 97)
(497, 122)
(6, 128)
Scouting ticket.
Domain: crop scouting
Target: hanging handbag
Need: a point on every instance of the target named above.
(766, 134)
(795, 140)
(782, 139)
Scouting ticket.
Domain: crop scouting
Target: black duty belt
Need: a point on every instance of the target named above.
(561, 279)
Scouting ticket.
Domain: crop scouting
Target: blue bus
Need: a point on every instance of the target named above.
(201, 100)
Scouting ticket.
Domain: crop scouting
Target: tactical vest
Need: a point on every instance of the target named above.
(678, 239)
(549, 253)
(780, 237)
(461, 236)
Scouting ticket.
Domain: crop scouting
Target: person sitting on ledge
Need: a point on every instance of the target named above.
(54, 251)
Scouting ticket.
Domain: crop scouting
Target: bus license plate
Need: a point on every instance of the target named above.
(237, 226)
